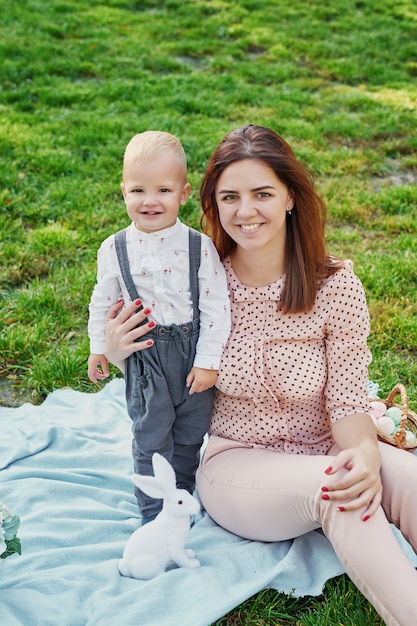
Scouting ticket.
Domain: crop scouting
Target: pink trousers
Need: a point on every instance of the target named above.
(268, 496)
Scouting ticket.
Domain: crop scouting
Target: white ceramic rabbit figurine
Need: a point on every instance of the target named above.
(152, 547)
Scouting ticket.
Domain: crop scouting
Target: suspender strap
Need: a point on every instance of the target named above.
(121, 250)
(194, 251)
(194, 245)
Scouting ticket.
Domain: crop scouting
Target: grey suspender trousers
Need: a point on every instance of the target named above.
(166, 419)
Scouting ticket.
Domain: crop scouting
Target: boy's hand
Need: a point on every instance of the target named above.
(98, 367)
(199, 379)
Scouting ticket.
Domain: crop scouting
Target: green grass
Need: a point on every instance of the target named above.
(343, 606)
(78, 79)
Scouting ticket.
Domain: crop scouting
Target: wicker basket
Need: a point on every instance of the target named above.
(408, 420)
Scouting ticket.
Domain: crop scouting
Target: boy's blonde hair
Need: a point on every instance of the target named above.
(150, 144)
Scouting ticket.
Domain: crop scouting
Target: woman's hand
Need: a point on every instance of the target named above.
(355, 471)
(122, 331)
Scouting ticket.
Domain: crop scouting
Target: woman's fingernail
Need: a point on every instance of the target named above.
(324, 489)
(328, 470)
(146, 311)
(364, 519)
(138, 302)
(325, 496)
(149, 342)
(151, 324)
(341, 508)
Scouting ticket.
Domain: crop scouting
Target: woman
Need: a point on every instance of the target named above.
(291, 446)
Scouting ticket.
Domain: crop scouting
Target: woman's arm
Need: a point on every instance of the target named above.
(354, 480)
(122, 331)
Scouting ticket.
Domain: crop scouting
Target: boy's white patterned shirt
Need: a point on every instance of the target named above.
(159, 264)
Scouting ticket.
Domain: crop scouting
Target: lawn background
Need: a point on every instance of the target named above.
(78, 79)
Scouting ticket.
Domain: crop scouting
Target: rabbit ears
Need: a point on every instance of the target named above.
(162, 484)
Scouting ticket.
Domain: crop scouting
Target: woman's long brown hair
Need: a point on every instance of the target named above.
(306, 260)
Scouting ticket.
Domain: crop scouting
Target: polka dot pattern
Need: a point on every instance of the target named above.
(284, 378)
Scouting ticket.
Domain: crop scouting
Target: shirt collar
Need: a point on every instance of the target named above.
(166, 233)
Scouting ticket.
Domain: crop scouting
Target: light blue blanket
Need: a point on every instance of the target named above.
(65, 468)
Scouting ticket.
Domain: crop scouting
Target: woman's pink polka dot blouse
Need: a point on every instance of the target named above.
(284, 378)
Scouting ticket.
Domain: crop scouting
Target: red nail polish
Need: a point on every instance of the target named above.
(147, 311)
(328, 470)
(151, 324)
(364, 519)
(325, 496)
(324, 489)
(149, 342)
(341, 508)
(138, 302)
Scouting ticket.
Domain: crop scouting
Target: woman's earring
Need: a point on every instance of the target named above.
(289, 212)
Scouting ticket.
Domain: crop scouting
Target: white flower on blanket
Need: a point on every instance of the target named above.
(9, 525)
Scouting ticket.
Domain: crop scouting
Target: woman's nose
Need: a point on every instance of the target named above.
(247, 207)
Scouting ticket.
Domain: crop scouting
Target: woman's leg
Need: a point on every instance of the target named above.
(268, 496)
(260, 494)
(399, 500)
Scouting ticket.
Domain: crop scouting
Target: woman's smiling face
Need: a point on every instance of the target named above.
(253, 203)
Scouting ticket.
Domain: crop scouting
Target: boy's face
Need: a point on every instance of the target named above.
(153, 191)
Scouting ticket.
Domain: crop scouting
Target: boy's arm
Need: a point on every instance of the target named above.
(214, 306)
(107, 291)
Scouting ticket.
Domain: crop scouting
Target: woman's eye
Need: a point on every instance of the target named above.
(229, 196)
(263, 194)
